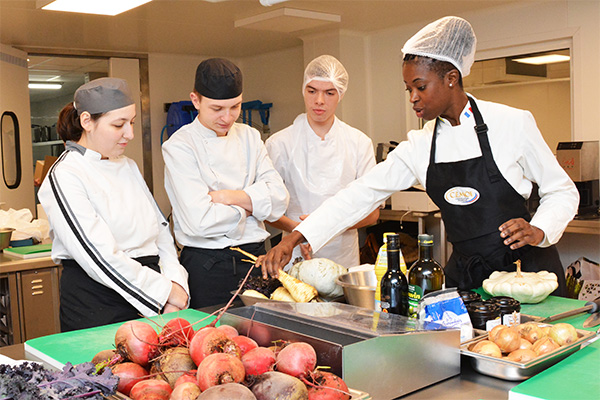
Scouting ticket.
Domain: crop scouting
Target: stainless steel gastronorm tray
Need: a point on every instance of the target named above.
(515, 371)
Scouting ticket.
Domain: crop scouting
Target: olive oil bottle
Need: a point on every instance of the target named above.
(394, 286)
(424, 276)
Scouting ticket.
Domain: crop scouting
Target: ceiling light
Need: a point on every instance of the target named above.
(547, 59)
(45, 86)
(287, 20)
(102, 7)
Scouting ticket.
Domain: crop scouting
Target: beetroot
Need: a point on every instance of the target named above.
(258, 361)
(185, 391)
(227, 391)
(103, 356)
(327, 386)
(172, 364)
(297, 359)
(219, 368)
(136, 341)
(245, 343)
(176, 332)
(229, 330)
(277, 385)
(189, 376)
(129, 374)
(213, 342)
(151, 389)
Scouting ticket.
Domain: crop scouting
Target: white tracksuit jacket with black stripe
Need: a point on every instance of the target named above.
(102, 215)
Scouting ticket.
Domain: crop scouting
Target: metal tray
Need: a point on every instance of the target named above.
(250, 300)
(515, 371)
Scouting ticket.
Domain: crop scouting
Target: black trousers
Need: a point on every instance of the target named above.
(85, 303)
(215, 273)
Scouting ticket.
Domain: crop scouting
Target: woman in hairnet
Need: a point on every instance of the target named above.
(476, 159)
(318, 155)
(106, 228)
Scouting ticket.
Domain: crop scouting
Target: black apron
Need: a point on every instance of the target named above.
(475, 200)
(85, 303)
(215, 273)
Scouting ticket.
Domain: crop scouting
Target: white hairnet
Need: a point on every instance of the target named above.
(327, 68)
(449, 39)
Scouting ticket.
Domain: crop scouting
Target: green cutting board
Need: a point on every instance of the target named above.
(82, 345)
(575, 377)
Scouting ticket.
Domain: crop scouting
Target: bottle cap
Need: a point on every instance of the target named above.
(393, 241)
(426, 240)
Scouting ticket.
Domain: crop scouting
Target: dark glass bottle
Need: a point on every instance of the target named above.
(424, 276)
(394, 286)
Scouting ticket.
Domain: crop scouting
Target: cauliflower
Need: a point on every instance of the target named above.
(321, 274)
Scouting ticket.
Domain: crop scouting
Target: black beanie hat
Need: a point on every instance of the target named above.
(219, 79)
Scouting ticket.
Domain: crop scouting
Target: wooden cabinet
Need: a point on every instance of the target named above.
(29, 299)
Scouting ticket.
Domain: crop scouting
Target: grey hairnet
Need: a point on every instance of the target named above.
(102, 95)
(449, 39)
(328, 69)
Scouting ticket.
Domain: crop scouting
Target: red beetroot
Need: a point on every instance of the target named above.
(219, 368)
(129, 374)
(246, 344)
(297, 359)
(258, 361)
(151, 389)
(136, 341)
(189, 376)
(229, 330)
(328, 386)
(172, 364)
(213, 342)
(185, 391)
(176, 332)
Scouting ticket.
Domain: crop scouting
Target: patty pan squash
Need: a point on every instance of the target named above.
(526, 287)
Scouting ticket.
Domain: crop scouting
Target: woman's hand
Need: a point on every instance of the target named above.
(517, 233)
(279, 256)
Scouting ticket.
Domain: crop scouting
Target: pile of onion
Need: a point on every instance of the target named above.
(525, 342)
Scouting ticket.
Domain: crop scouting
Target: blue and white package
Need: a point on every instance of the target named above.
(445, 307)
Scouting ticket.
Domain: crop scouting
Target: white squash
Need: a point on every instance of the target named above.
(526, 287)
(321, 274)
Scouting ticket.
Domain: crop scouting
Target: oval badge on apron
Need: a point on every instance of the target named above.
(461, 196)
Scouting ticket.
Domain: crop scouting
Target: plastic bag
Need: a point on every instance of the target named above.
(24, 224)
(445, 307)
(583, 279)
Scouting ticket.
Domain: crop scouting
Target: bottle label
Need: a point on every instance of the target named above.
(511, 319)
(492, 323)
(415, 294)
(380, 270)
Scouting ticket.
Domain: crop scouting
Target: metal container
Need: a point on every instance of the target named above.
(515, 371)
(359, 288)
(385, 355)
(5, 234)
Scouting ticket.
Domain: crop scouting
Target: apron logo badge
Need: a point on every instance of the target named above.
(461, 196)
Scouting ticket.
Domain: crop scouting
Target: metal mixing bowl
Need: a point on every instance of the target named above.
(5, 234)
(359, 288)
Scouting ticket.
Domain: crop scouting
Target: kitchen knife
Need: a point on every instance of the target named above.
(592, 320)
(590, 306)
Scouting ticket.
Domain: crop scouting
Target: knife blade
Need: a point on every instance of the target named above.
(592, 320)
(591, 307)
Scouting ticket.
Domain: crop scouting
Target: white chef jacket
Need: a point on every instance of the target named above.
(315, 169)
(519, 151)
(197, 161)
(102, 215)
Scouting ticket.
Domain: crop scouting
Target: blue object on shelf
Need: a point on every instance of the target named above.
(180, 113)
(262, 108)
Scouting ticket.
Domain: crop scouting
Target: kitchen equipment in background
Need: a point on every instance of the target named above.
(359, 288)
(383, 149)
(580, 160)
(5, 234)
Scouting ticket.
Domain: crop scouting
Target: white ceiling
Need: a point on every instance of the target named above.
(208, 27)
(204, 27)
